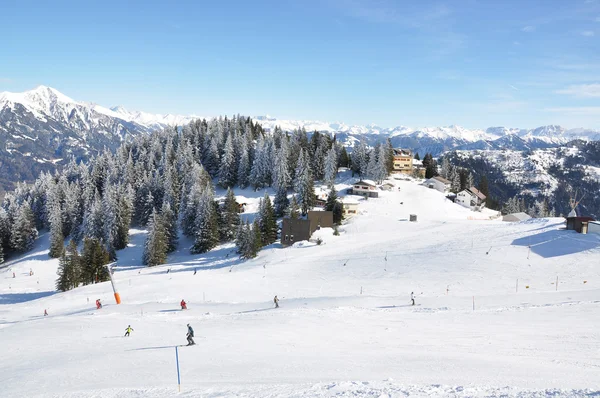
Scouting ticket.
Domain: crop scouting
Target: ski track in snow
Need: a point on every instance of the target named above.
(345, 327)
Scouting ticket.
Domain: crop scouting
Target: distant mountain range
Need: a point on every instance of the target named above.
(43, 128)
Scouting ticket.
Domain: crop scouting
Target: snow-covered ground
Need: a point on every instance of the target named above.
(345, 327)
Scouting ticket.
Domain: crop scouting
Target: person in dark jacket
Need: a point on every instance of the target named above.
(190, 335)
(276, 301)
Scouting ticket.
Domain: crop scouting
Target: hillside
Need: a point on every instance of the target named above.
(345, 327)
(552, 173)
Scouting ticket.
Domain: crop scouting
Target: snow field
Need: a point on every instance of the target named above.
(327, 339)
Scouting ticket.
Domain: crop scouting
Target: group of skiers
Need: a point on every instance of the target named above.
(190, 331)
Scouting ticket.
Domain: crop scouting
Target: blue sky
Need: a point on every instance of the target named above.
(416, 63)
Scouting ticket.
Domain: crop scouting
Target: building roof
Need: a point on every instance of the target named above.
(582, 218)
(441, 179)
(366, 182)
(349, 200)
(402, 152)
(516, 216)
(477, 193)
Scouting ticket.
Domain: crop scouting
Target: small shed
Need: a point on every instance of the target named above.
(413, 218)
(320, 219)
(579, 224)
(294, 230)
(516, 217)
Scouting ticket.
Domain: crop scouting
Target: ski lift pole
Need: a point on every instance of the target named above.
(112, 282)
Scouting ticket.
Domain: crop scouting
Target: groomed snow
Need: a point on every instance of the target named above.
(345, 327)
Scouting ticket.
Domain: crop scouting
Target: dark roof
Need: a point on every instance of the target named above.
(366, 182)
(477, 193)
(582, 218)
(402, 152)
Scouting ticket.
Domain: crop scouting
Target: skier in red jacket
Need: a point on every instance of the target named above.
(183, 305)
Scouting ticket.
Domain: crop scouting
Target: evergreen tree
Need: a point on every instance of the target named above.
(169, 223)
(389, 156)
(281, 173)
(242, 239)
(94, 258)
(360, 158)
(446, 167)
(207, 229)
(417, 157)
(1, 254)
(56, 229)
(483, 186)
(23, 232)
(93, 219)
(230, 216)
(304, 184)
(334, 205)
(63, 283)
(380, 171)
(454, 178)
(331, 168)
(155, 248)
(227, 171)
(124, 216)
(4, 231)
(294, 209)
(281, 202)
(267, 221)
(343, 159)
(244, 164)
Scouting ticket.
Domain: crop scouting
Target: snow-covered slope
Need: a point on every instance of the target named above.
(489, 321)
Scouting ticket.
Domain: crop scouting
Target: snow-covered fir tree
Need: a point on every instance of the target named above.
(23, 232)
(230, 217)
(304, 183)
(155, 248)
(267, 221)
(331, 168)
(206, 231)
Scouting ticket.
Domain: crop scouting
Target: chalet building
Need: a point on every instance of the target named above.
(349, 206)
(366, 188)
(294, 230)
(403, 161)
(438, 183)
(471, 198)
(320, 219)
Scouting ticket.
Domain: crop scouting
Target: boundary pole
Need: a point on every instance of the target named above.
(177, 361)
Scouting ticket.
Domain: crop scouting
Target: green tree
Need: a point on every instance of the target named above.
(267, 221)
(94, 258)
(155, 248)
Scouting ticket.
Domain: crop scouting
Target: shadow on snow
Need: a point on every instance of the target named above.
(558, 243)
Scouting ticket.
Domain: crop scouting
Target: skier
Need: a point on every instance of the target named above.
(190, 335)
(14, 276)
(194, 271)
(128, 331)
(183, 305)
(45, 313)
(412, 297)
(276, 301)
(98, 304)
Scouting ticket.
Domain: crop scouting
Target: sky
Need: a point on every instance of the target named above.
(472, 63)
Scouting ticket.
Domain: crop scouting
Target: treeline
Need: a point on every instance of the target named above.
(165, 182)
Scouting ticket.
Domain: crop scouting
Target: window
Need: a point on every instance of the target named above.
(287, 238)
(292, 238)
(365, 187)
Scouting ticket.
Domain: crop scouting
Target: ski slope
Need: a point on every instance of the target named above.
(345, 327)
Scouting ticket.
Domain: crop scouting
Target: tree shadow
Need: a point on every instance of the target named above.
(16, 298)
(259, 310)
(558, 243)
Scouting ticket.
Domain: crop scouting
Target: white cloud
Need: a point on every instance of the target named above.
(582, 90)
(587, 33)
(528, 29)
(513, 87)
(576, 110)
